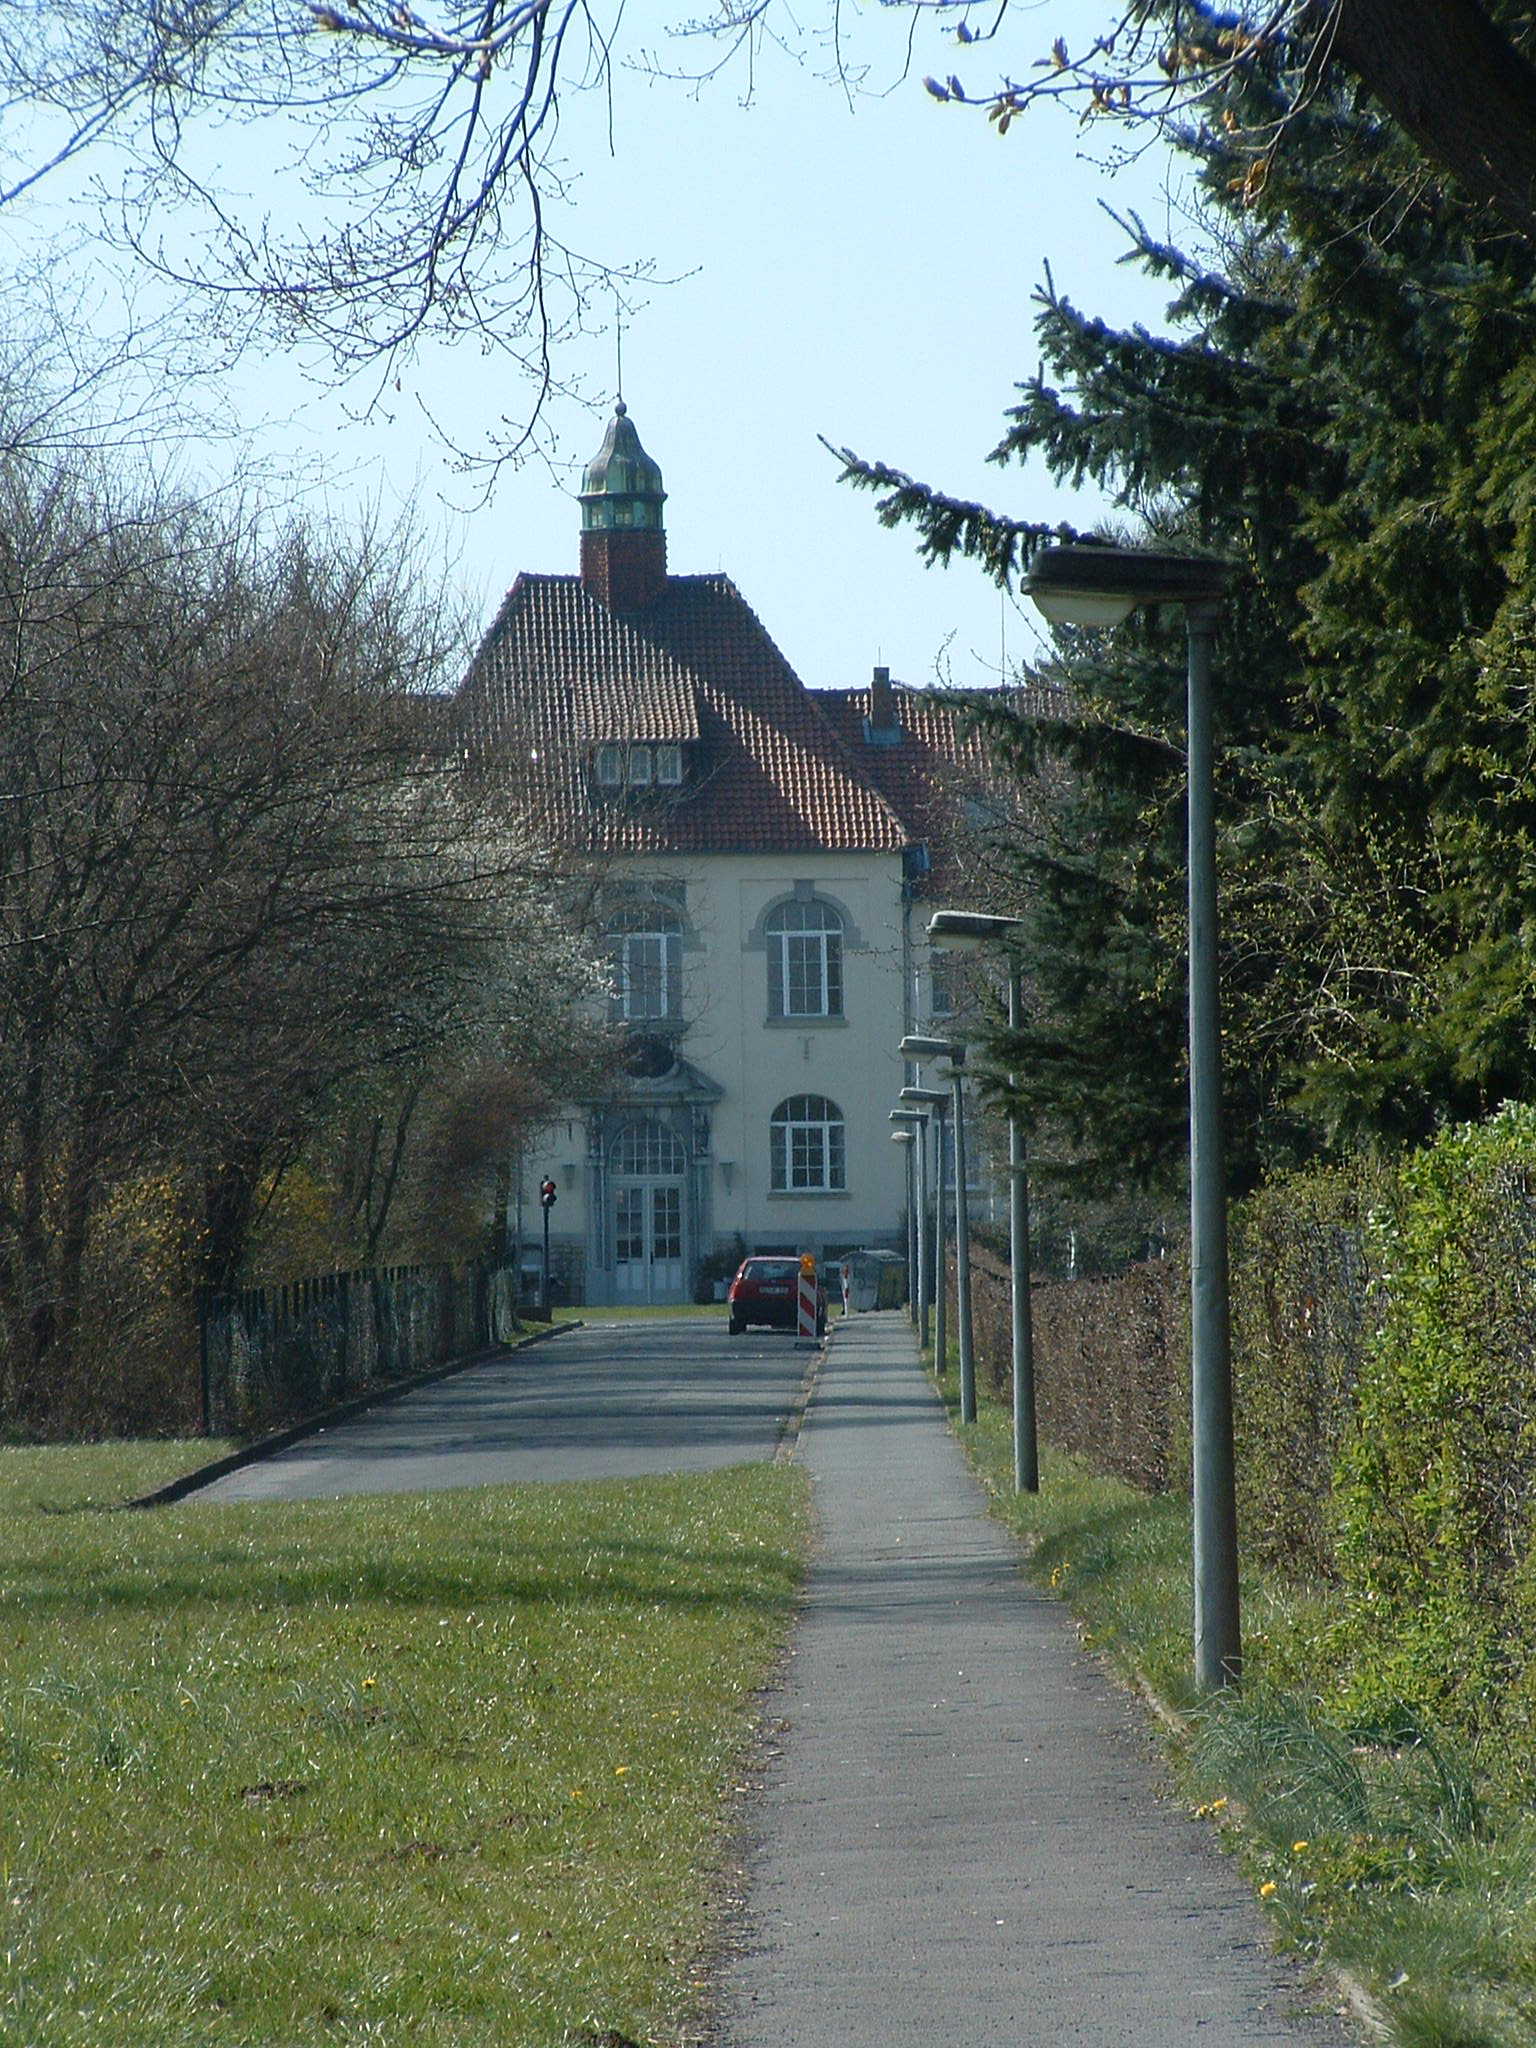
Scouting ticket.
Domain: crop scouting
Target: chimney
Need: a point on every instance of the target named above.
(880, 727)
(624, 568)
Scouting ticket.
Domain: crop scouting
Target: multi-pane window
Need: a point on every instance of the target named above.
(977, 1176)
(636, 764)
(805, 1146)
(805, 960)
(646, 1149)
(941, 984)
(647, 956)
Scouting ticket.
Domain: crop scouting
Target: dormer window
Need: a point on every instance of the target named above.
(619, 765)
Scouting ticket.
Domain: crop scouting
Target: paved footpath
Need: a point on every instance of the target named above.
(963, 1841)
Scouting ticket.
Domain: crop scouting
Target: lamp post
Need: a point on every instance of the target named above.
(906, 1141)
(932, 1104)
(952, 1050)
(976, 931)
(1093, 586)
(912, 1125)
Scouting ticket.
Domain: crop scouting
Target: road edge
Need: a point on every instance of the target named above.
(295, 1432)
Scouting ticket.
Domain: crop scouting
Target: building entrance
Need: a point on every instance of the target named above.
(648, 1165)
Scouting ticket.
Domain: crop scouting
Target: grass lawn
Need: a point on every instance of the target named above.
(1401, 1857)
(55, 1479)
(422, 1770)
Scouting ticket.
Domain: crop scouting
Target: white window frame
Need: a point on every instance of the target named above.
(805, 959)
(630, 933)
(943, 975)
(807, 1147)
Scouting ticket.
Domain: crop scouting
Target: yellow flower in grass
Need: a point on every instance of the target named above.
(1268, 1889)
(1300, 1848)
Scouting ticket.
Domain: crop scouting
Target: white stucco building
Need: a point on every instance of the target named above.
(760, 849)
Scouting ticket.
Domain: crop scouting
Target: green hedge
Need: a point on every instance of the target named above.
(1434, 1488)
(1384, 1353)
(1303, 1306)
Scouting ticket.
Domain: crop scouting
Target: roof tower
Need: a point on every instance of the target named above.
(623, 546)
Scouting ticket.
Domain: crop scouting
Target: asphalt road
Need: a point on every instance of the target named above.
(602, 1403)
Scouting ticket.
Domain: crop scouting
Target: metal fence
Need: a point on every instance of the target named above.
(271, 1355)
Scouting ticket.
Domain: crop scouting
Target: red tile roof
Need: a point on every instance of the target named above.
(938, 762)
(775, 768)
(559, 672)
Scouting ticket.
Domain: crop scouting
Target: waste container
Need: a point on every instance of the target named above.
(879, 1280)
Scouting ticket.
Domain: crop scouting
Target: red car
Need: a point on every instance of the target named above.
(767, 1290)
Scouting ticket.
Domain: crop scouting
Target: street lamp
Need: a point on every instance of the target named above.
(977, 931)
(952, 1050)
(911, 1124)
(933, 1104)
(1093, 586)
(906, 1140)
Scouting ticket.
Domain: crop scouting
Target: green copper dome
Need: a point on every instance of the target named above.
(622, 485)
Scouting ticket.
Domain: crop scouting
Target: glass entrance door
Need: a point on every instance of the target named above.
(649, 1257)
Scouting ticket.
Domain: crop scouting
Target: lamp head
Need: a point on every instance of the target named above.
(918, 1048)
(931, 1098)
(1099, 586)
(971, 931)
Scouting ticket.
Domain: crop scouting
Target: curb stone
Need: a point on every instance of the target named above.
(313, 1425)
(789, 1435)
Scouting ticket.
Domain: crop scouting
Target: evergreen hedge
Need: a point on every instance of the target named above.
(1384, 1350)
(1302, 1300)
(1433, 1491)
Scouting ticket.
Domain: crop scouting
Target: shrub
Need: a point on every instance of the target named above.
(1301, 1318)
(1436, 1471)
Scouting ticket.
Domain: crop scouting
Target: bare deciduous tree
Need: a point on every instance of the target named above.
(239, 872)
(423, 143)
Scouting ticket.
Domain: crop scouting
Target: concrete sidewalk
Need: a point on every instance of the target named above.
(963, 1841)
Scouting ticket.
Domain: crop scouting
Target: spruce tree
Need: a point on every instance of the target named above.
(1346, 407)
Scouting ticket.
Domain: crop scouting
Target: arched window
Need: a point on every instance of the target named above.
(805, 1146)
(647, 1150)
(805, 960)
(647, 957)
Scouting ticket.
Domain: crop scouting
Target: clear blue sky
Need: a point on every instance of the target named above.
(864, 274)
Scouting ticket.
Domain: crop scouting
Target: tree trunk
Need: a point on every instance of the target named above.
(378, 1214)
(1451, 77)
(229, 1207)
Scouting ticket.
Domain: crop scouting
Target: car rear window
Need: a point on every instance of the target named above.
(772, 1269)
